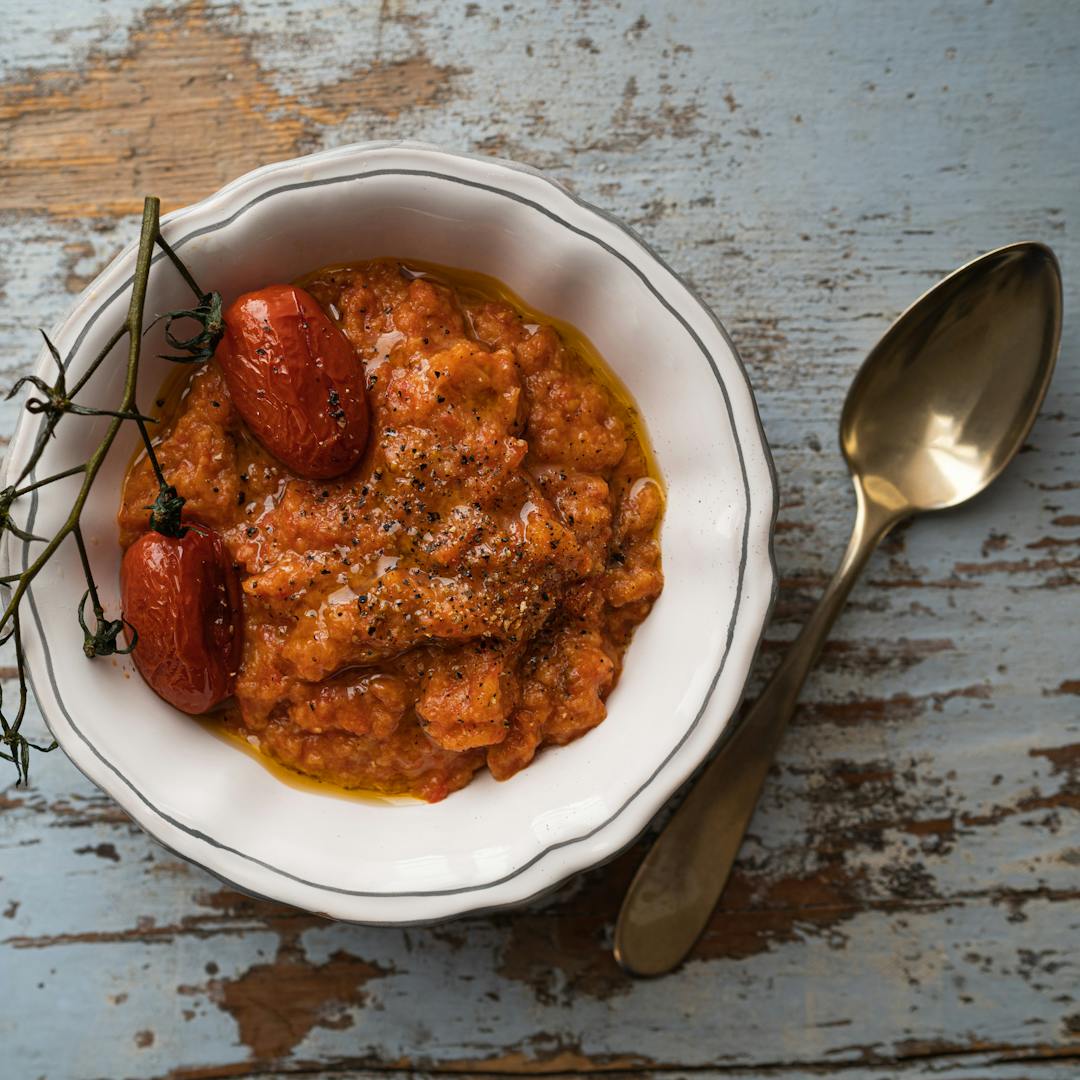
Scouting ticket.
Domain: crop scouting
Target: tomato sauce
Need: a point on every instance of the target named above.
(464, 594)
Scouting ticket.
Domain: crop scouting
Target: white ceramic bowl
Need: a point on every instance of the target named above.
(491, 845)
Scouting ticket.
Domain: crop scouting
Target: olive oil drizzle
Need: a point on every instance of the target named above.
(217, 724)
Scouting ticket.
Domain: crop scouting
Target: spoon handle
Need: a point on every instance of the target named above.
(681, 878)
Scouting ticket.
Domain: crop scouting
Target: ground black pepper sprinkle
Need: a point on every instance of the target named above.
(484, 570)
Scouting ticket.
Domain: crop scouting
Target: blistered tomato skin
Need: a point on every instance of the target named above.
(296, 380)
(182, 596)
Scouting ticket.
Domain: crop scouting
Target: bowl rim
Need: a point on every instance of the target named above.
(153, 818)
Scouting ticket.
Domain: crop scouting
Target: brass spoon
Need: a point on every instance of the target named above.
(937, 410)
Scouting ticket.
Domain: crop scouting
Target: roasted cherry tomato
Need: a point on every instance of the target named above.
(296, 380)
(182, 597)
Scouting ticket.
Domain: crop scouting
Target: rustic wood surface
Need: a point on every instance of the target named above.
(908, 904)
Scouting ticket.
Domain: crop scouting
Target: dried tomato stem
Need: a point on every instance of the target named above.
(73, 471)
(185, 273)
(58, 401)
(133, 328)
(91, 585)
(10, 735)
(159, 475)
(98, 360)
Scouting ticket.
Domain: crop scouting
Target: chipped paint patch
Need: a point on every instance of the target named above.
(588, 968)
(182, 109)
(276, 1005)
(1065, 759)
(102, 851)
(757, 914)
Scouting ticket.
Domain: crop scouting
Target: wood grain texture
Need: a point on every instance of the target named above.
(908, 902)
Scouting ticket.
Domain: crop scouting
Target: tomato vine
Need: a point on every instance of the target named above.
(55, 400)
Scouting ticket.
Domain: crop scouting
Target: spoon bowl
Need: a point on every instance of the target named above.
(947, 396)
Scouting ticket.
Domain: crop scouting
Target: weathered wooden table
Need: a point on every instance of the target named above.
(908, 904)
